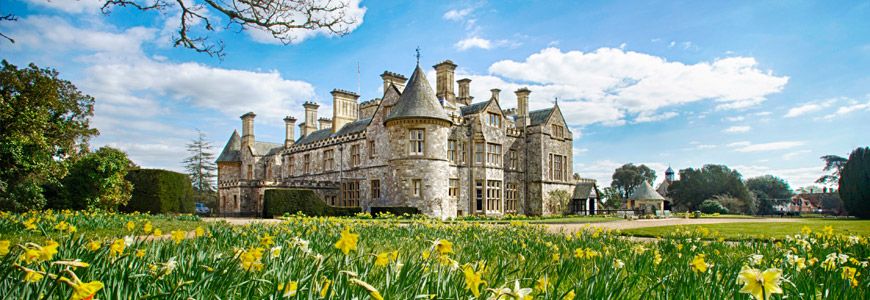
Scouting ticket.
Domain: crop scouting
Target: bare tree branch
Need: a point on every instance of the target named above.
(9, 17)
(280, 18)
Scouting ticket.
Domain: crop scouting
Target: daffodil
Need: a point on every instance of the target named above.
(372, 291)
(158, 232)
(199, 231)
(543, 284)
(444, 247)
(130, 226)
(32, 276)
(117, 247)
(85, 291)
(93, 246)
(140, 252)
(473, 280)
(698, 264)
(569, 296)
(382, 259)
(48, 251)
(324, 287)
(760, 285)
(618, 264)
(4, 247)
(266, 240)
(147, 227)
(347, 241)
(289, 289)
(177, 236)
(30, 255)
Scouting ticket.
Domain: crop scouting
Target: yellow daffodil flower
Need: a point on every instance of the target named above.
(30, 255)
(177, 236)
(473, 280)
(32, 276)
(147, 227)
(130, 226)
(543, 284)
(85, 291)
(444, 247)
(698, 264)
(4, 247)
(140, 253)
(158, 232)
(117, 247)
(324, 287)
(93, 246)
(372, 291)
(760, 285)
(569, 296)
(347, 241)
(382, 259)
(289, 289)
(199, 231)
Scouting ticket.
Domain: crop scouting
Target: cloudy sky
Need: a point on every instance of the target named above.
(764, 87)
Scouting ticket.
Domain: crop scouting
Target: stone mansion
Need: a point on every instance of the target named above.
(431, 149)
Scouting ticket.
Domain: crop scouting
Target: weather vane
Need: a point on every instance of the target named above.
(418, 55)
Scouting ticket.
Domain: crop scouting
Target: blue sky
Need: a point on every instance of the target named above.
(764, 87)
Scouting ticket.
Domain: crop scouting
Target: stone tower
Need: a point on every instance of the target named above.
(418, 129)
(344, 108)
(444, 81)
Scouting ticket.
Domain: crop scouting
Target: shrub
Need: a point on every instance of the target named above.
(159, 191)
(711, 206)
(395, 210)
(277, 202)
(855, 183)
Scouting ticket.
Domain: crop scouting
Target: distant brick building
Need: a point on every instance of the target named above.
(415, 146)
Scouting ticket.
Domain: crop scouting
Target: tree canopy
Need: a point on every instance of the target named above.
(768, 190)
(96, 180)
(833, 164)
(200, 164)
(697, 185)
(855, 183)
(627, 177)
(43, 121)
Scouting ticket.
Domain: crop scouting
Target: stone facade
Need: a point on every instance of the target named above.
(414, 146)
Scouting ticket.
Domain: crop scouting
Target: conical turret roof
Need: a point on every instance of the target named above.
(232, 150)
(645, 192)
(417, 101)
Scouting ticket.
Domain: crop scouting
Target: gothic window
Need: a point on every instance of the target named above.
(510, 194)
(417, 140)
(354, 156)
(493, 154)
(376, 189)
(451, 151)
(452, 188)
(328, 160)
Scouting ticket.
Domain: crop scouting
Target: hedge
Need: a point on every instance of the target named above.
(159, 191)
(276, 202)
(395, 210)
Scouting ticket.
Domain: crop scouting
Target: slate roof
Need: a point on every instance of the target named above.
(316, 136)
(473, 108)
(353, 127)
(583, 190)
(418, 100)
(645, 192)
(539, 116)
(231, 150)
(265, 148)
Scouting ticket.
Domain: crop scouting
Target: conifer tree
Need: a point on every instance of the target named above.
(200, 164)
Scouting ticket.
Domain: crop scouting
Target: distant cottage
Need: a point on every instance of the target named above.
(415, 147)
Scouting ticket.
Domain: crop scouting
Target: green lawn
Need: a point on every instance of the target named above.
(736, 231)
(90, 228)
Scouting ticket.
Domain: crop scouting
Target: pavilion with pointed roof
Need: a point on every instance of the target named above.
(646, 198)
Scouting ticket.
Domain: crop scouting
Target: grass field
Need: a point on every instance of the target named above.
(330, 258)
(735, 231)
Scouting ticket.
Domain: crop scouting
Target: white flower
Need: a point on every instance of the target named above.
(755, 259)
(854, 239)
(275, 251)
(618, 264)
(128, 240)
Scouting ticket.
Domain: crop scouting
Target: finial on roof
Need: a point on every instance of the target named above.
(557, 101)
(418, 55)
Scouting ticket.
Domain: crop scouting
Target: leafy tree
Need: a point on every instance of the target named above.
(43, 121)
(832, 163)
(614, 200)
(627, 177)
(558, 201)
(833, 204)
(200, 164)
(280, 18)
(730, 203)
(711, 206)
(697, 185)
(855, 183)
(810, 189)
(96, 180)
(769, 190)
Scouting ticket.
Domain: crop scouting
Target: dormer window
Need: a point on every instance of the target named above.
(494, 120)
(416, 140)
(558, 131)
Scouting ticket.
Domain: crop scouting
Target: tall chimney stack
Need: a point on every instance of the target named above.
(344, 108)
(394, 79)
(324, 123)
(248, 129)
(464, 91)
(522, 107)
(310, 117)
(495, 94)
(289, 122)
(444, 81)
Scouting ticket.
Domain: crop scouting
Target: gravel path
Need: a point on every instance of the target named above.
(660, 222)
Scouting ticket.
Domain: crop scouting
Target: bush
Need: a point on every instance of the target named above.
(277, 202)
(855, 183)
(395, 210)
(159, 191)
(711, 206)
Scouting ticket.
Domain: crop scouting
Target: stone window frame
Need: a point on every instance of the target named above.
(513, 159)
(510, 201)
(493, 195)
(371, 149)
(290, 167)
(462, 152)
(453, 187)
(417, 142)
(236, 201)
(451, 151)
(494, 120)
(558, 167)
(479, 148)
(493, 154)
(479, 199)
(558, 131)
(417, 187)
(250, 172)
(355, 160)
(350, 193)
(328, 160)
(375, 186)
(306, 163)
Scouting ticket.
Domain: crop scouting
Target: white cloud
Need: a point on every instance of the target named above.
(749, 147)
(790, 155)
(737, 129)
(473, 42)
(848, 109)
(71, 6)
(614, 83)
(55, 35)
(763, 113)
(735, 119)
(457, 15)
(802, 110)
(651, 117)
(352, 11)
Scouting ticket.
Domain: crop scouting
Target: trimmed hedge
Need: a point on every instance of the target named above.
(276, 202)
(395, 210)
(159, 191)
